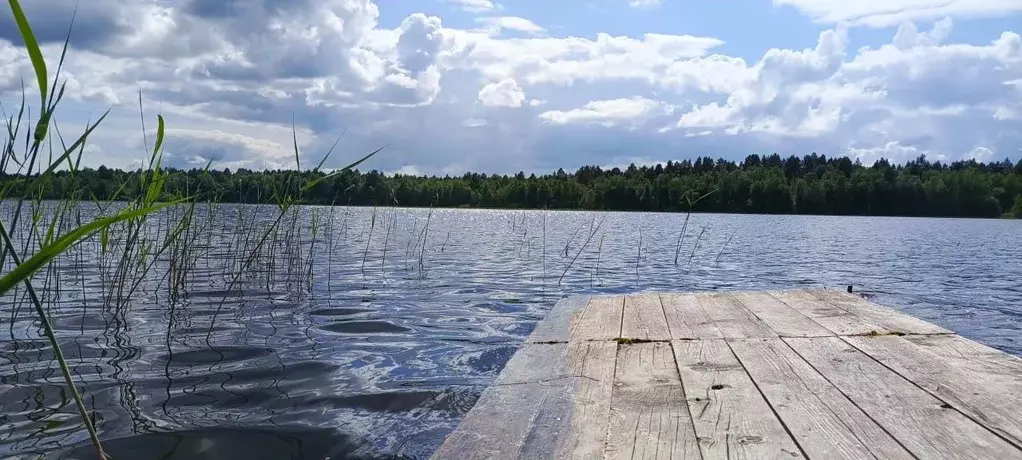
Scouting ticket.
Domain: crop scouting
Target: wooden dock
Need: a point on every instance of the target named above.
(760, 375)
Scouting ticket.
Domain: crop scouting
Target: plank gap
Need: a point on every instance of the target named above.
(769, 404)
(945, 401)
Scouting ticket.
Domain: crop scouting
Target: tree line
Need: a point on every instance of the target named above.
(769, 184)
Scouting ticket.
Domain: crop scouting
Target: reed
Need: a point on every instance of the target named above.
(130, 237)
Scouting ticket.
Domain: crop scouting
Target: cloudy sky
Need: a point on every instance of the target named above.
(450, 86)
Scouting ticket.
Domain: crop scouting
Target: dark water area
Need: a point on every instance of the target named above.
(370, 337)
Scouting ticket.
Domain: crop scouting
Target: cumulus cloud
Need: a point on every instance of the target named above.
(504, 93)
(608, 113)
(232, 76)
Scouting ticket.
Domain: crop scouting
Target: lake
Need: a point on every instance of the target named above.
(369, 333)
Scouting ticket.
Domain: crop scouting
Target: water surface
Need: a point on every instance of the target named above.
(373, 338)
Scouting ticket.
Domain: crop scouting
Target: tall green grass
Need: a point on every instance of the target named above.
(34, 149)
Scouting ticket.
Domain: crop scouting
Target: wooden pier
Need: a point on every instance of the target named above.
(816, 374)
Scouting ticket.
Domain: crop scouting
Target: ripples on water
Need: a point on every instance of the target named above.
(317, 354)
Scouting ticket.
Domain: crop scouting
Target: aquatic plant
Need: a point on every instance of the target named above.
(132, 235)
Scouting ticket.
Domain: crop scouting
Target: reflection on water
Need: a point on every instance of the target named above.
(370, 338)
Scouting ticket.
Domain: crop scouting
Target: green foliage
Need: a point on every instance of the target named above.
(1016, 210)
(813, 184)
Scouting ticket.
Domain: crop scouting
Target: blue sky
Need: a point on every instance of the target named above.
(450, 86)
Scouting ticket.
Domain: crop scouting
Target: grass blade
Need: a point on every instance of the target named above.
(25, 269)
(35, 54)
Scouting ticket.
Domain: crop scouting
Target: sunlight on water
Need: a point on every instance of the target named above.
(374, 338)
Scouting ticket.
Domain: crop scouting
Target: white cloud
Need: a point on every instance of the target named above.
(496, 25)
(892, 151)
(408, 170)
(504, 93)
(563, 61)
(229, 76)
(476, 6)
(885, 13)
(643, 3)
(981, 154)
(608, 112)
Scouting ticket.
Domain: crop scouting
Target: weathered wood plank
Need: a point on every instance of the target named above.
(573, 423)
(686, 319)
(887, 318)
(599, 320)
(551, 401)
(515, 399)
(649, 418)
(919, 421)
(837, 320)
(731, 418)
(731, 318)
(557, 325)
(981, 382)
(823, 422)
(643, 318)
(784, 320)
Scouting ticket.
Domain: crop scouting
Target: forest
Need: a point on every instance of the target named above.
(769, 184)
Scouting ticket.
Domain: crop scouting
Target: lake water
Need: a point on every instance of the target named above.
(365, 342)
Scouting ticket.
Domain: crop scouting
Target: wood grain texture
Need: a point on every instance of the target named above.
(822, 420)
(534, 374)
(731, 418)
(556, 327)
(590, 414)
(551, 401)
(789, 374)
(643, 318)
(600, 319)
(886, 318)
(649, 418)
(832, 318)
(784, 320)
(919, 421)
(981, 382)
(732, 318)
(686, 319)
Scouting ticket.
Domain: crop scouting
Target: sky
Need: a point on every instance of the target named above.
(451, 86)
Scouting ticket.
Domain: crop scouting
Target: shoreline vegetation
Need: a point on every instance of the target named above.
(812, 185)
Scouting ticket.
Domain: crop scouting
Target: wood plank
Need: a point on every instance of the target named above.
(823, 422)
(887, 318)
(837, 320)
(919, 421)
(784, 320)
(599, 320)
(731, 418)
(686, 319)
(649, 418)
(731, 318)
(981, 382)
(551, 400)
(515, 398)
(573, 423)
(643, 318)
(556, 327)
